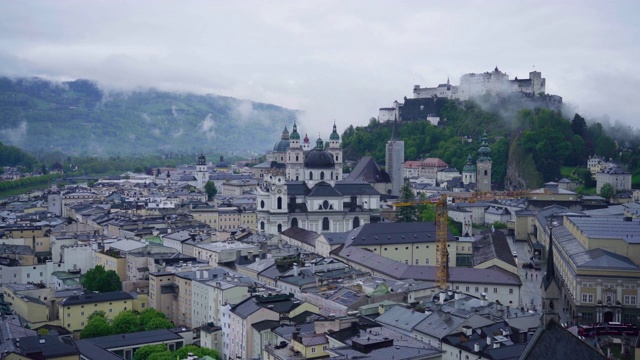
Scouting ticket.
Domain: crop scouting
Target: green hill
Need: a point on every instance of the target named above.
(532, 144)
(78, 118)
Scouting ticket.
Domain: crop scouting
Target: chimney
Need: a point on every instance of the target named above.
(489, 340)
(468, 330)
(476, 347)
(458, 295)
(442, 297)
(483, 299)
(295, 269)
(496, 345)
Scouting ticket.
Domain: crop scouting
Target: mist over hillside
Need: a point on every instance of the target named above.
(79, 118)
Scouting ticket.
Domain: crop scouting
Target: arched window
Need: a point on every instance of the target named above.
(336, 157)
(297, 158)
(325, 224)
(485, 173)
(321, 175)
(262, 204)
(262, 225)
(310, 175)
(279, 203)
(356, 222)
(279, 228)
(294, 222)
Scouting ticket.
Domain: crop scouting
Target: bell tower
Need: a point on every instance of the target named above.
(202, 174)
(336, 152)
(483, 166)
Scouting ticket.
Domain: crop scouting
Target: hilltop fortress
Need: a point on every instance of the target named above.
(427, 101)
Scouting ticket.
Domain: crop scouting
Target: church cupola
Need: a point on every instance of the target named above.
(201, 160)
(319, 144)
(294, 134)
(334, 135)
(285, 134)
(484, 153)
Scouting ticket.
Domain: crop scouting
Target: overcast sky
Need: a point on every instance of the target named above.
(337, 60)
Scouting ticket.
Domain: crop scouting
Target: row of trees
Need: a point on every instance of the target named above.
(124, 323)
(28, 181)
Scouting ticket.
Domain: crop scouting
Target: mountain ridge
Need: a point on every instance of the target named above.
(77, 117)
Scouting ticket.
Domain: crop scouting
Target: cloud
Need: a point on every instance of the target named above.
(16, 135)
(341, 60)
(207, 126)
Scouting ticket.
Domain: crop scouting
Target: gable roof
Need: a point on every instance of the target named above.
(368, 170)
(553, 342)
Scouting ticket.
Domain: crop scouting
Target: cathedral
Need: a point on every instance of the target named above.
(310, 192)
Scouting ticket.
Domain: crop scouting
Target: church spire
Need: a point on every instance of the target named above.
(551, 272)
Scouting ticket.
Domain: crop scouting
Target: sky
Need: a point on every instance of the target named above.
(335, 60)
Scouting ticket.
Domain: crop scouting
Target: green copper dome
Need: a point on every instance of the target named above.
(334, 135)
(469, 167)
(294, 134)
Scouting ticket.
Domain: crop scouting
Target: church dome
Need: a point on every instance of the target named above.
(319, 158)
(283, 144)
(469, 167)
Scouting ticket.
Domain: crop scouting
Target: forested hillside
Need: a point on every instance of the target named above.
(78, 118)
(535, 142)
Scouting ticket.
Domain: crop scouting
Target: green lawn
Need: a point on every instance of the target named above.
(567, 171)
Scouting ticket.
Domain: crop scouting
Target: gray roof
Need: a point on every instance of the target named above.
(391, 352)
(401, 318)
(394, 233)
(133, 339)
(324, 189)
(47, 346)
(439, 324)
(608, 228)
(95, 298)
(278, 303)
(553, 342)
(367, 170)
(492, 246)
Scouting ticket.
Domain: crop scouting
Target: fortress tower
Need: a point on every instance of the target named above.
(484, 166)
(394, 161)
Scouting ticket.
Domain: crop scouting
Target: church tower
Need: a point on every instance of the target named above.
(549, 287)
(295, 156)
(484, 166)
(336, 152)
(469, 172)
(394, 161)
(202, 174)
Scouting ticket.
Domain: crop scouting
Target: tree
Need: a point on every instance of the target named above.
(210, 189)
(144, 352)
(125, 322)
(195, 350)
(99, 313)
(97, 326)
(97, 279)
(607, 191)
(157, 324)
(407, 213)
(149, 314)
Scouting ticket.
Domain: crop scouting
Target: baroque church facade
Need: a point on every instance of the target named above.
(310, 192)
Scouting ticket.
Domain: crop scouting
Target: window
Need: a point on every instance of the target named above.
(313, 349)
(324, 347)
(629, 300)
(486, 290)
(467, 289)
(417, 261)
(426, 261)
(587, 298)
(495, 290)
(321, 178)
(510, 291)
(325, 224)
(310, 175)
(477, 289)
(279, 203)
(406, 261)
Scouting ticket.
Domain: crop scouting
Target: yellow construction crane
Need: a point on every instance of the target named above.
(442, 253)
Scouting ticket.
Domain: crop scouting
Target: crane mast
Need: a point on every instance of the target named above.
(442, 253)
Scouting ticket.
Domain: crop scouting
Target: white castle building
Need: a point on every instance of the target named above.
(471, 85)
